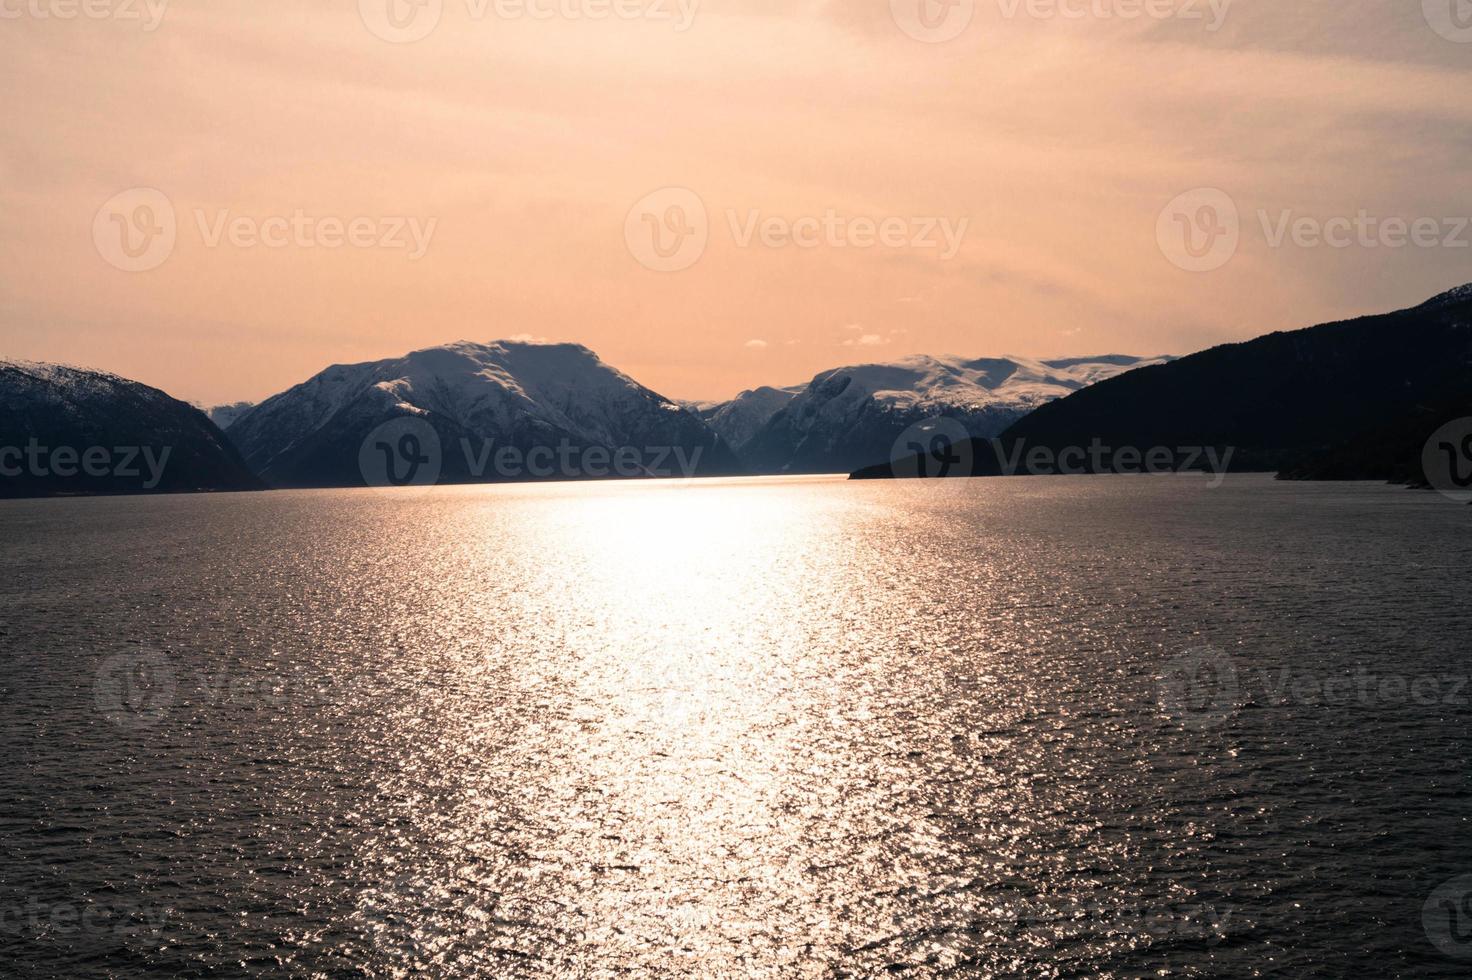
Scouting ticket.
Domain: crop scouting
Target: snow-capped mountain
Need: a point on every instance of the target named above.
(225, 415)
(67, 430)
(851, 416)
(1452, 297)
(743, 416)
(488, 406)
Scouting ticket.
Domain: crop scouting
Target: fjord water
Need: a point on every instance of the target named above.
(745, 727)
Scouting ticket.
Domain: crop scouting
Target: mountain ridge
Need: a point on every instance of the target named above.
(68, 430)
(1279, 401)
(851, 416)
(515, 394)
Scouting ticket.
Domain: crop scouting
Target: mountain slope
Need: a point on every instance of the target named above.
(851, 416)
(66, 430)
(503, 396)
(741, 418)
(1299, 402)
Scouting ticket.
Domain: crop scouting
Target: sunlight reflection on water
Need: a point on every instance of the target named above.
(766, 727)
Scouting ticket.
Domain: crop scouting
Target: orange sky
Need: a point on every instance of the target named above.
(519, 145)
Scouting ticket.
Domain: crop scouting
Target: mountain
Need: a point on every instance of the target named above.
(66, 430)
(741, 418)
(225, 415)
(472, 412)
(852, 416)
(1351, 400)
(1392, 452)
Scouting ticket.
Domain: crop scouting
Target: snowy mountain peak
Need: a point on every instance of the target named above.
(1460, 294)
(850, 416)
(510, 392)
(976, 383)
(58, 408)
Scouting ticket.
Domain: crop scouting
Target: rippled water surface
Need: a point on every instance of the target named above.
(1089, 727)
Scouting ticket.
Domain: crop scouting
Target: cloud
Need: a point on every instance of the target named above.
(866, 340)
(757, 344)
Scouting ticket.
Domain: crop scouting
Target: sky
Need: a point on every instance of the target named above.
(222, 198)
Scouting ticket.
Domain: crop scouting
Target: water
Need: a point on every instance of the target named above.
(751, 727)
